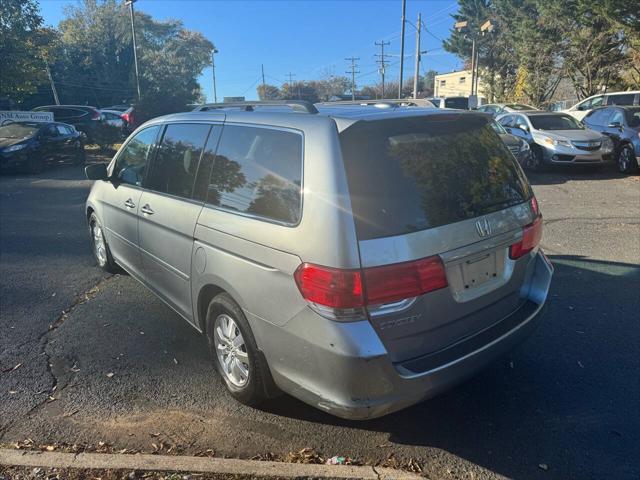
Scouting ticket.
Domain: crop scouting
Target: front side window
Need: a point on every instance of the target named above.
(633, 117)
(132, 161)
(174, 169)
(598, 117)
(258, 171)
(506, 121)
(616, 117)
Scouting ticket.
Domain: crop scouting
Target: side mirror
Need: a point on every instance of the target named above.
(96, 171)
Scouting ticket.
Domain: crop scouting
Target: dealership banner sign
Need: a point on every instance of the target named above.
(10, 116)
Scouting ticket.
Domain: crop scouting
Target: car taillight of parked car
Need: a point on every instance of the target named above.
(126, 117)
(343, 294)
(531, 234)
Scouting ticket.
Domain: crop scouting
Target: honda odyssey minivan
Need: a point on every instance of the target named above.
(361, 259)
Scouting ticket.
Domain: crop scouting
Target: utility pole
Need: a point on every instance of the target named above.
(404, 9)
(291, 75)
(264, 87)
(53, 85)
(417, 66)
(353, 75)
(135, 49)
(382, 61)
(213, 70)
(473, 64)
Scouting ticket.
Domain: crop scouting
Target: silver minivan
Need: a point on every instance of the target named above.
(361, 259)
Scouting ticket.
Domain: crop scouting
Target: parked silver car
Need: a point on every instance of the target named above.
(496, 109)
(557, 138)
(361, 259)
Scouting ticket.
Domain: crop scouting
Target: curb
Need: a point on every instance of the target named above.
(228, 466)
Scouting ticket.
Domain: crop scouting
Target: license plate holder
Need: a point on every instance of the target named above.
(479, 270)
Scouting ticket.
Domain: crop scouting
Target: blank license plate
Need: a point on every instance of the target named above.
(479, 270)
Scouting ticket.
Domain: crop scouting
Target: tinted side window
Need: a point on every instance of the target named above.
(132, 161)
(174, 169)
(258, 171)
(203, 176)
(622, 99)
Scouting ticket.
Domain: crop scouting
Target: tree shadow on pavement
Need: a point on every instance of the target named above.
(567, 398)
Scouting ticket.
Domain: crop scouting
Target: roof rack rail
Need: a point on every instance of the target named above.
(392, 102)
(297, 105)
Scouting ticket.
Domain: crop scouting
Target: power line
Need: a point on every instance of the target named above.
(353, 75)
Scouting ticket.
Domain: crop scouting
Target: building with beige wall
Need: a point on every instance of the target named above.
(456, 84)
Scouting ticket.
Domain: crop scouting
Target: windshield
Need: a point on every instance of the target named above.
(499, 129)
(555, 122)
(633, 117)
(415, 173)
(17, 130)
(520, 106)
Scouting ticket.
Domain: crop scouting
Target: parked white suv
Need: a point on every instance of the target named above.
(581, 109)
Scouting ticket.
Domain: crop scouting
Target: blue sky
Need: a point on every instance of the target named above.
(310, 38)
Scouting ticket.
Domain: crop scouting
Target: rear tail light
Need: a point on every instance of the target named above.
(127, 117)
(344, 294)
(531, 235)
(392, 283)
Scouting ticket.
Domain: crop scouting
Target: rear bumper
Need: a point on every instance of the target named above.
(351, 376)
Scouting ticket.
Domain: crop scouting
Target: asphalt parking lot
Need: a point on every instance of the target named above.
(87, 358)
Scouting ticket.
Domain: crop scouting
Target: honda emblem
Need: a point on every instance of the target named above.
(483, 227)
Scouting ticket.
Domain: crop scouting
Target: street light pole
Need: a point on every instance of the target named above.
(135, 49)
(213, 71)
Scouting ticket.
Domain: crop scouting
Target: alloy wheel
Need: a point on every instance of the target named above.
(99, 245)
(231, 350)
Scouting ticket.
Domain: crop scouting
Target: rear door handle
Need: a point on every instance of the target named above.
(129, 204)
(147, 209)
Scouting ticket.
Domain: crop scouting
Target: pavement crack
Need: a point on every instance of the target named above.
(373, 467)
(44, 338)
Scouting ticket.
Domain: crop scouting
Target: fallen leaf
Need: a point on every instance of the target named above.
(543, 466)
(141, 333)
(175, 361)
(50, 448)
(12, 392)
(68, 414)
(12, 369)
(110, 374)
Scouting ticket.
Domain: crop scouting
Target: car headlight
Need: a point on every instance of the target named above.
(556, 142)
(524, 146)
(15, 148)
(607, 144)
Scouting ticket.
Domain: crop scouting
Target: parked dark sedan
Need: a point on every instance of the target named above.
(85, 119)
(622, 125)
(31, 144)
(518, 147)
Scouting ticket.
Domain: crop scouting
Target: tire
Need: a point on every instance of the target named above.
(79, 157)
(626, 160)
(35, 164)
(535, 160)
(235, 354)
(99, 246)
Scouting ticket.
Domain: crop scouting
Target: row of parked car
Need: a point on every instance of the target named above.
(599, 129)
(31, 144)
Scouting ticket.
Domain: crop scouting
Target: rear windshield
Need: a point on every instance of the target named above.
(416, 173)
(456, 102)
(519, 106)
